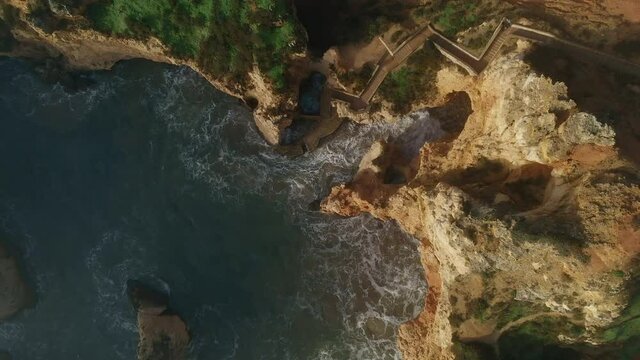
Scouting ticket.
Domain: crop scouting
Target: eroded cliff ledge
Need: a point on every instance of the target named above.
(529, 219)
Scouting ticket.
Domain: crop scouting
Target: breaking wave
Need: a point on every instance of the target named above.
(360, 278)
(371, 268)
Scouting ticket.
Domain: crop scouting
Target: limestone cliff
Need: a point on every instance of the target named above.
(527, 215)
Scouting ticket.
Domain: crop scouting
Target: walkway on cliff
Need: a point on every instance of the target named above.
(475, 65)
(386, 64)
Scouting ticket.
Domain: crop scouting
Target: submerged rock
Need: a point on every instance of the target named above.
(163, 335)
(15, 295)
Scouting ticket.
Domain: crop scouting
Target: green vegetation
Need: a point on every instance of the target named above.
(514, 311)
(356, 79)
(538, 339)
(225, 36)
(480, 309)
(618, 273)
(463, 351)
(627, 325)
(182, 25)
(414, 81)
(457, 16)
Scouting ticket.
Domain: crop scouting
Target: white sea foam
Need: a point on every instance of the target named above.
(356, 270)
(361, 261)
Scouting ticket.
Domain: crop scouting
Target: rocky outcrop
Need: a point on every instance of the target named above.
(528, 213)
(163, 334)
(594, 22)
(15, 294)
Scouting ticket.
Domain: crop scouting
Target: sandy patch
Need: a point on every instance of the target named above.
(629, 9)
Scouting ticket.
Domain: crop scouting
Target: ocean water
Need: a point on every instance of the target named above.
(150, 173)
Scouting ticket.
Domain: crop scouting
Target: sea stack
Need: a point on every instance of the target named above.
(163, 335)
(15, 295)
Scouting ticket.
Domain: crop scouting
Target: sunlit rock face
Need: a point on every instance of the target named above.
(525, 215)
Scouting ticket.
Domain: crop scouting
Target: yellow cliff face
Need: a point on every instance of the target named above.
(529, 212)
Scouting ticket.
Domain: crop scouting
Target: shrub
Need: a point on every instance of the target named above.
(457, 16)
(226, 36)
(412, 82)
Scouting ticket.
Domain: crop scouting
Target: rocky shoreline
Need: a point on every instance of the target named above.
(526, 209)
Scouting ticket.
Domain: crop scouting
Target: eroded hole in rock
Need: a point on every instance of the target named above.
(454, 114)
(497, 182)
(401, 160)
(395, 175)
(338, 22)
(526, 185)
(294, 133)
(252, 102)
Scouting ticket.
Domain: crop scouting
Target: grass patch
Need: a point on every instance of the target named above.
(457, 16)
(480, 309)
(627, 326)
(181, 24)
(618, 273)
(539, 340)
(514, 311)
(356, 79)
(414, 81)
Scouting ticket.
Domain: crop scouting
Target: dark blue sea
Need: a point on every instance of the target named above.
(147, 172)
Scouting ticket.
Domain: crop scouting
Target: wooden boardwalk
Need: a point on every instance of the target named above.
(474, 65)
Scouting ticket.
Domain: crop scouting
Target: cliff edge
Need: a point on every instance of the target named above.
(527, 214)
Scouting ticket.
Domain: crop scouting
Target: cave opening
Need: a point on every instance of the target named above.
(338, 22)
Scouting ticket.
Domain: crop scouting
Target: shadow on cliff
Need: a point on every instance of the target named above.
(339, 22)
(613, 98)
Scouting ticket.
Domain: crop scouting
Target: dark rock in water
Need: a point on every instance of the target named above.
(15, 294)
(311, 94)
(163, 334)
(315, 205)
(295, 132)
(394, 176)
(4, 355)
(53, 71)
(145, 299)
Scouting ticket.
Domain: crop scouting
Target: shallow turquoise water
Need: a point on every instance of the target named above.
(150, 173)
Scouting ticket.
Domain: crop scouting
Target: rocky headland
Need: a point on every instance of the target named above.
(528, 218)
(527, 209)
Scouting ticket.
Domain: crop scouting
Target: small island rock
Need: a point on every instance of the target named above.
(163, 334)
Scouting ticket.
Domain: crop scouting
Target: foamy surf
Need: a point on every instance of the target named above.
(345, 286)
(352, 258)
